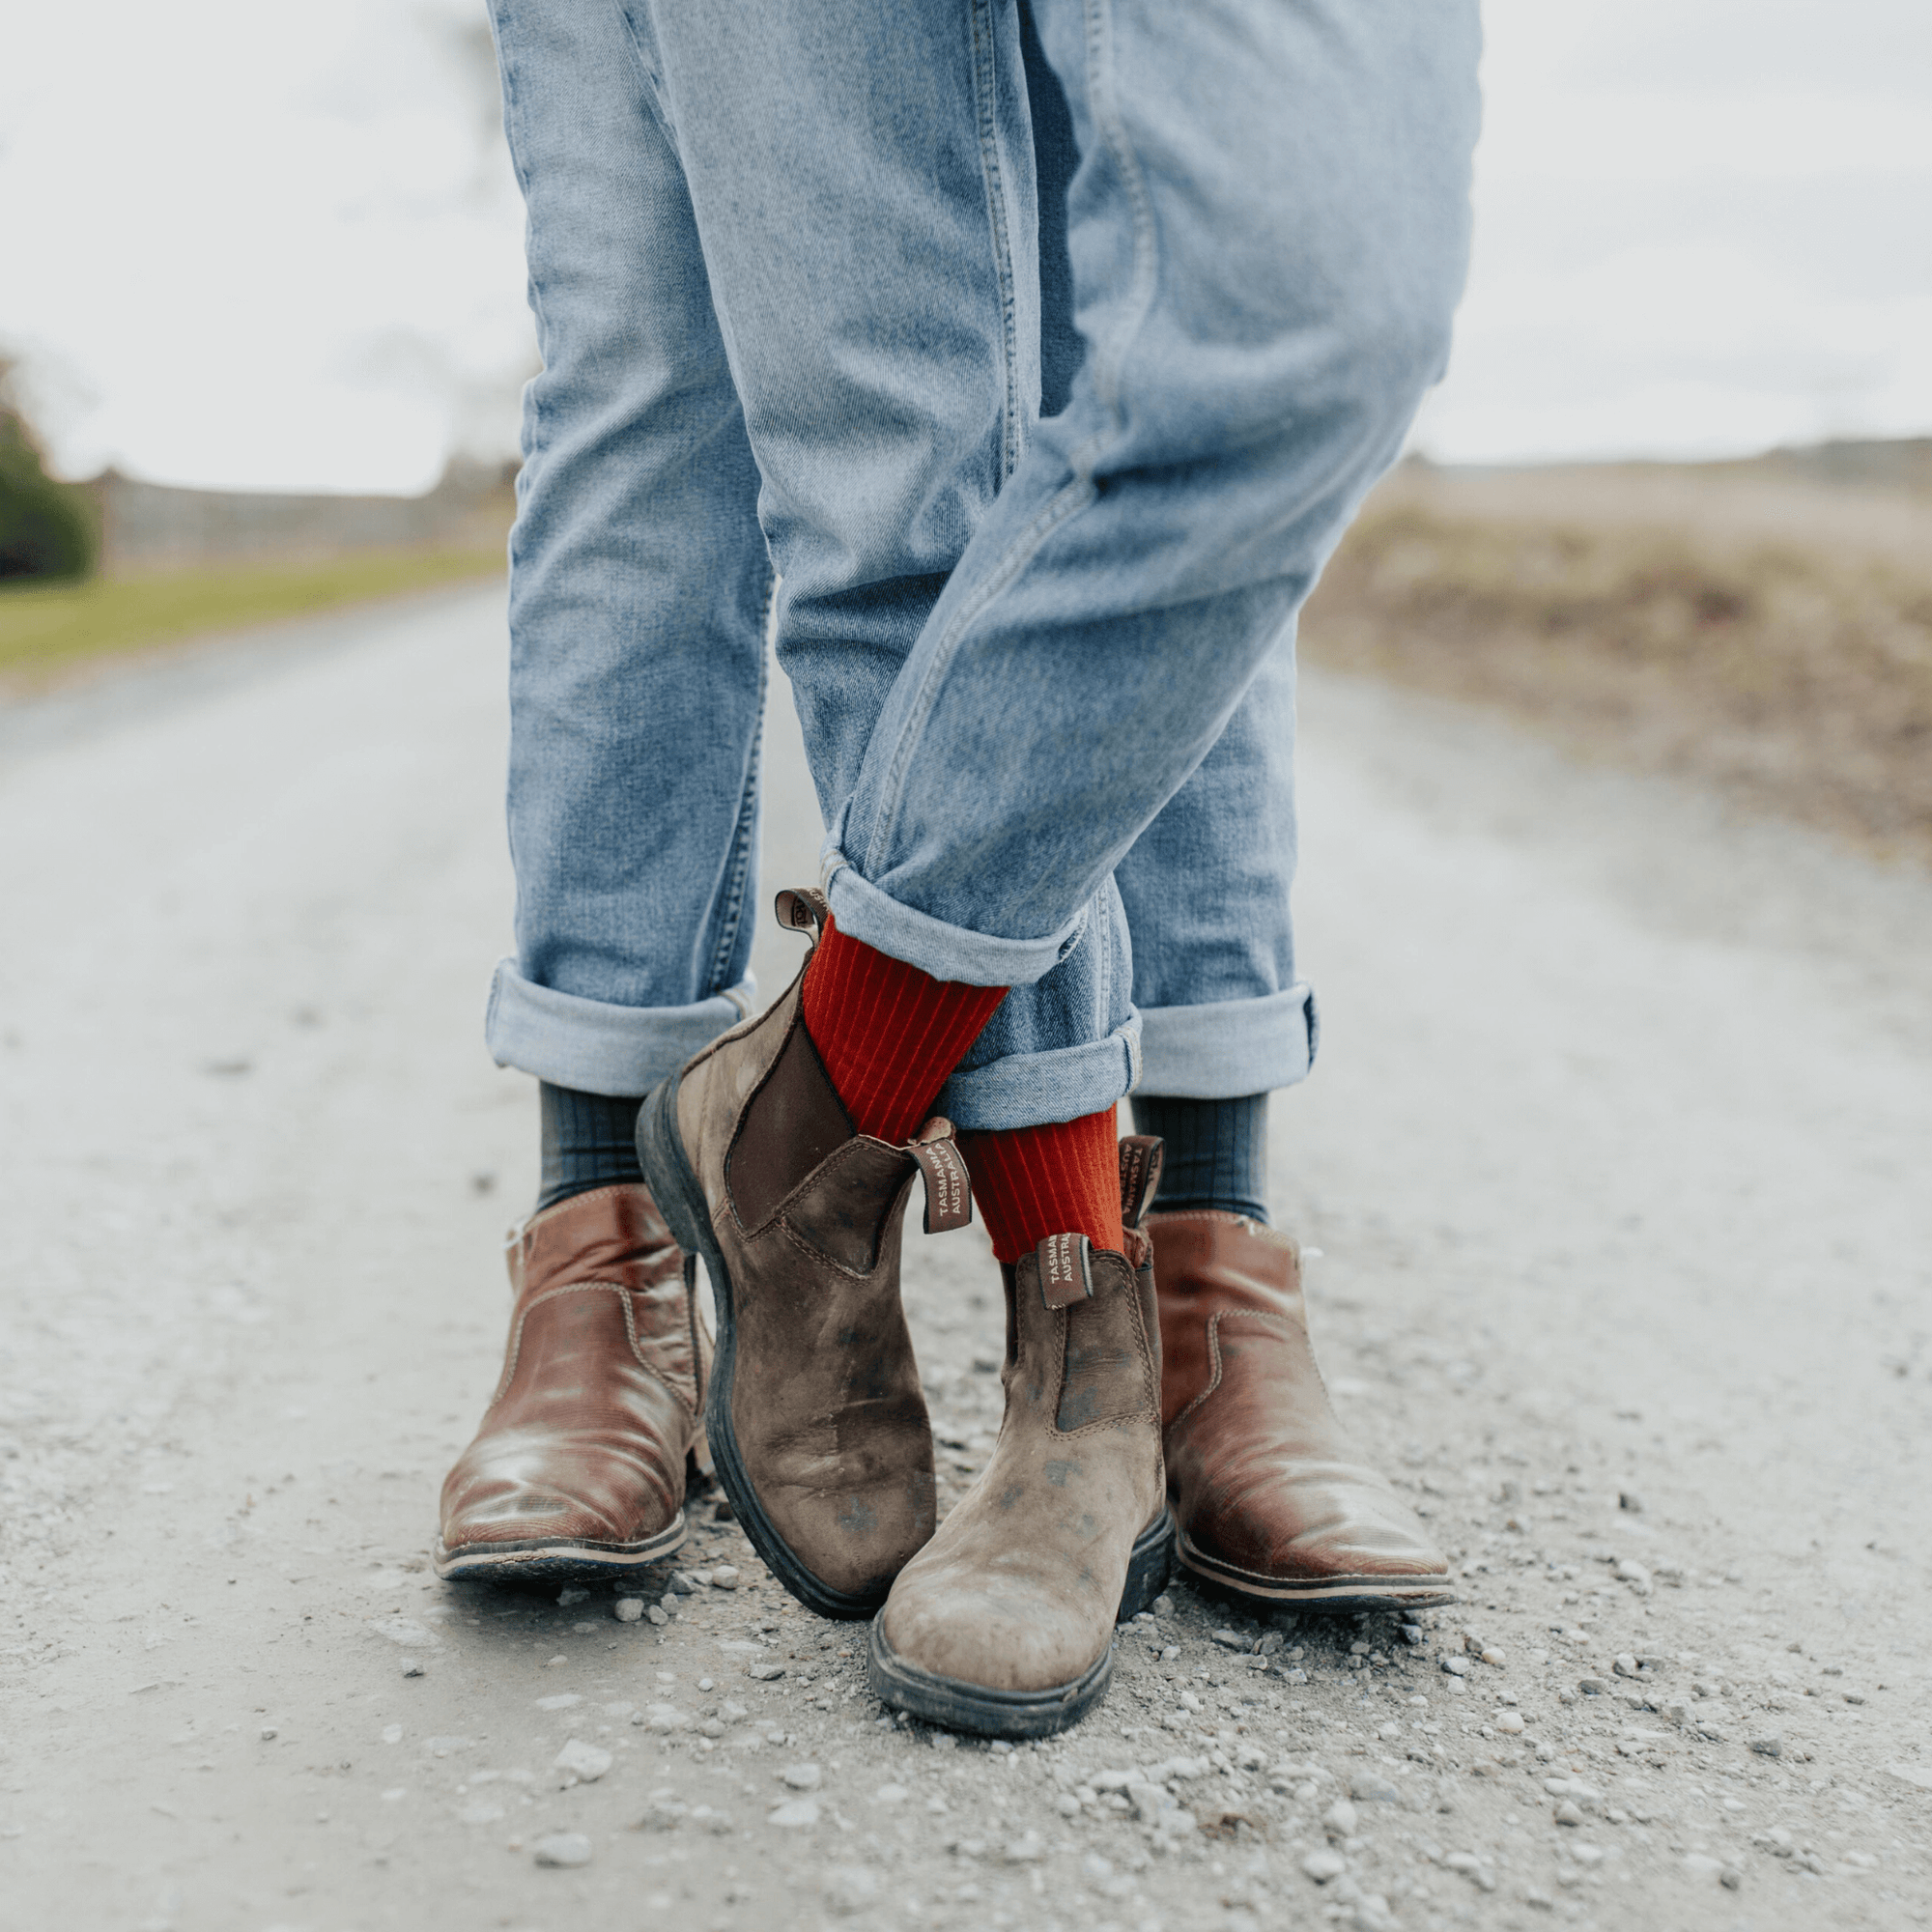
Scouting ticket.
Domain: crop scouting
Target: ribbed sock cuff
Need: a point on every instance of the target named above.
(1063, 1178)
(888, 1034)
(588, 1141)
(1216, 1154)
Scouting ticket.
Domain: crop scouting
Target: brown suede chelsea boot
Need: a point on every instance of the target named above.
(1273, 1500)
(579, 1469)
(816, 1415)
(1003, 1623)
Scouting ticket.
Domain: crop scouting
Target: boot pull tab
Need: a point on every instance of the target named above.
(1141, 1157)
(803, 909)
(949, 1188)
(1065, 1269)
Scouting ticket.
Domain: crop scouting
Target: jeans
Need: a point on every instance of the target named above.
(800, 269)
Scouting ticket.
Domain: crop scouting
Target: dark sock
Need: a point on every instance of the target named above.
(588, 1141)
(1216, 1154)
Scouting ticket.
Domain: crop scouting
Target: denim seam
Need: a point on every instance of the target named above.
(533, 439)
(1109, 363)
(1072, 497)
(733, 909)
(985, 90)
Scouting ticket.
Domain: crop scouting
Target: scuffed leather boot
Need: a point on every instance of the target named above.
(816, 1415)
(579, 1469)
(1003, 1623)
(1273, 1500)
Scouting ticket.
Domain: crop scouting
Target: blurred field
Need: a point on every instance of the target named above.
(1746, 624)
(49, 630)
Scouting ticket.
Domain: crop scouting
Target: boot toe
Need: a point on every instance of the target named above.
(1012, 1635)
(556, 1492)
(1319, 1526)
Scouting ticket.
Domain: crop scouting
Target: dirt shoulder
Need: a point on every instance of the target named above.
(1735, 623)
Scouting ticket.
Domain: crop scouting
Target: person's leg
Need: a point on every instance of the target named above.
(1267, 234)
(1224, 1016)
(638, 580)
(638, 591)
(861, 185)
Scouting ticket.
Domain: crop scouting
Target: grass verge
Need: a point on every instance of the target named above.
(47, 628)
(1777, 655)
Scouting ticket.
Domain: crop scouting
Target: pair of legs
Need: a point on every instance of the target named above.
(1034, 365)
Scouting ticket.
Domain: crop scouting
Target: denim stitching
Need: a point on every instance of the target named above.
(731, 912)
(985, 92)
(1109, 361)
(531, 438)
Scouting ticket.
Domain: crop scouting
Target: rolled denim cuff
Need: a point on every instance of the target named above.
(1229, 1047)
(598, 1048)
(946, 951)
(1028, 1090)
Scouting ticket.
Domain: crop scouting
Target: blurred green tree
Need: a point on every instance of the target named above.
(48, 528)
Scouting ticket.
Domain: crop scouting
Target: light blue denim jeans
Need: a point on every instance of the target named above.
(799, 270)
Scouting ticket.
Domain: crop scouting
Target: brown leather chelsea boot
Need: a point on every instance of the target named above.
(1273, 1500)
(1003, 1623)
(579, 1469)
(816, 1415)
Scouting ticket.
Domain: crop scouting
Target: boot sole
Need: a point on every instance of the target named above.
(681, 1202)
(552, 1560)
(961, 1706)
(1329, 1593)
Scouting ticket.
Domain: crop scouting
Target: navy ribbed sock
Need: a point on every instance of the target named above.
(1216, 1152)
(588, 1141)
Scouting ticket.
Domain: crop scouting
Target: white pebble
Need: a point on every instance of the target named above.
(584, 1762)
(563, 1849)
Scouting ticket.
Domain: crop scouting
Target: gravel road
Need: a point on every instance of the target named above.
(1614, 1181)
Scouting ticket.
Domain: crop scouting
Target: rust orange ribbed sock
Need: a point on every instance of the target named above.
(888, 1034)
(1063, 1178)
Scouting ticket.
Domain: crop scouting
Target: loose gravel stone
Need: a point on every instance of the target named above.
(584, 1762)
(562, 1849)
(1373, 1788)
(628, 1609)
(1322, 1867)
(796, 1814)
(803, 1776)
(850, 1888)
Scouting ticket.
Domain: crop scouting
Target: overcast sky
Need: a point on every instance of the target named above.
(250, 243)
